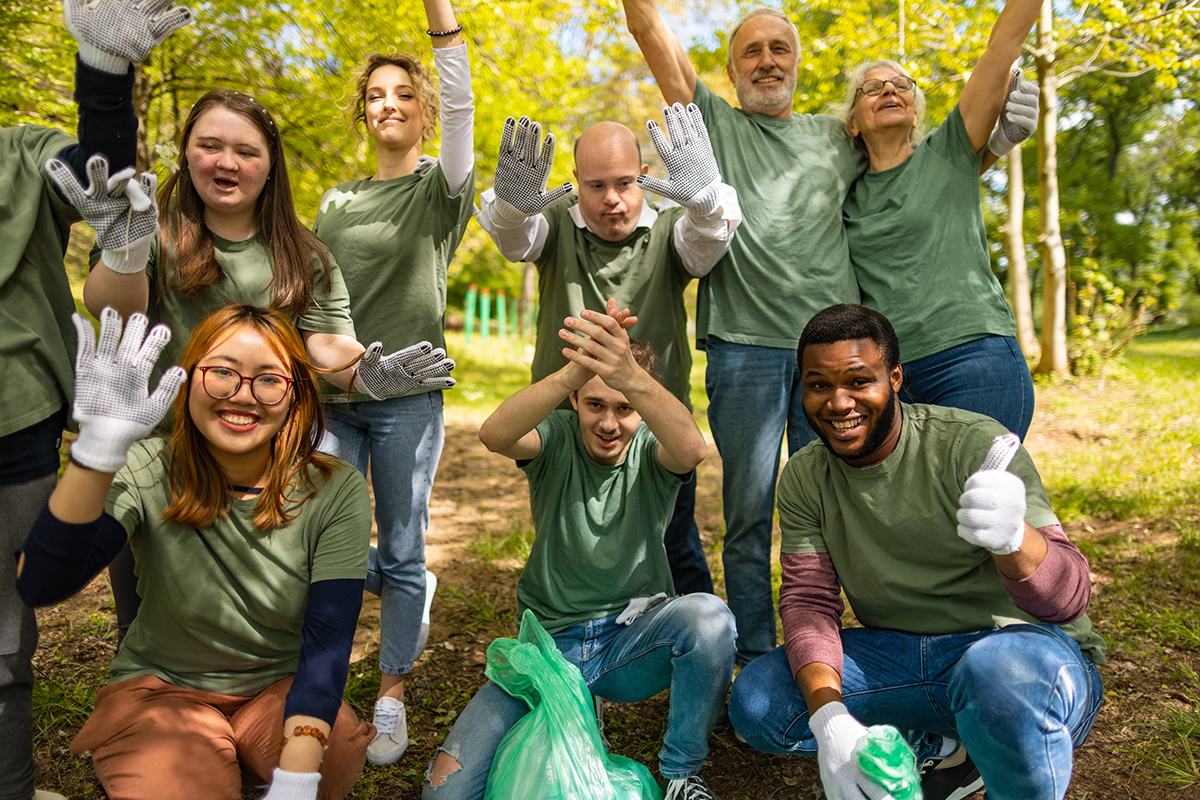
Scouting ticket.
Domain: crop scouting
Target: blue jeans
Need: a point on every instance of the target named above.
(686, 643)
(401, 440)
(988, 376)
(685, 553)
(1021, 698)
(754, 397)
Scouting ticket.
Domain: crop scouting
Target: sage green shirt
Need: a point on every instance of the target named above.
(37, 339)
(644, 272)
(891, 529)
(223, 606)
(599, 530)
(247, 268)
(789, 259)
(394, 241)
(919, 246)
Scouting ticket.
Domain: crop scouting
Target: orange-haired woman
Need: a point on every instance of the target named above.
(251, 552)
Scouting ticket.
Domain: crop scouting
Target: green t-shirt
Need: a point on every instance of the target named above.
(247, 269)
(223, 606)
(599, 530)
(644, 272)
(789, 259)
(394, 241)
(919, 246)
(37, 339)
(892, 532)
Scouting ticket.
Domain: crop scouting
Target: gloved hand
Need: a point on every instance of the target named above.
(693, 178)
(121, 210)
(425, 165)
(292, 785)
(838, 736)
(1018, 119)
(112, 404)
(522, 172)
(112, 34)
(991, 509)
(418, 367)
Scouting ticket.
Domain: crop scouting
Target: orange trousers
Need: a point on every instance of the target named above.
(151, 740)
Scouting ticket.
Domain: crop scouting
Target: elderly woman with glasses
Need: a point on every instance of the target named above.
(916, 233)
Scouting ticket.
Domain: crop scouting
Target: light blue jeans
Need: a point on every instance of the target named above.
(754, 397)
(687, 644)
(988, 376)
(400, 439)
(1020, 698)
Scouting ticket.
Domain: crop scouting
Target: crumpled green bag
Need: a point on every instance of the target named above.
(554, 752)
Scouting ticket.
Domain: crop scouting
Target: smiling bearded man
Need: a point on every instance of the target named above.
(970, 596)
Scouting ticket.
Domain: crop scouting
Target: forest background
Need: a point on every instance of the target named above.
(1106, 240)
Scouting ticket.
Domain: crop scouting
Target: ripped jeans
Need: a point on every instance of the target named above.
(687, 644)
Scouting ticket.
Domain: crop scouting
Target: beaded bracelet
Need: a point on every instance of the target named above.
(304, 730)
(450, 32)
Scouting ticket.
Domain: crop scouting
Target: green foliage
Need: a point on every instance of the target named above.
(1104, 323)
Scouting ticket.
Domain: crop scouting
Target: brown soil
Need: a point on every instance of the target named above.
(477, 493)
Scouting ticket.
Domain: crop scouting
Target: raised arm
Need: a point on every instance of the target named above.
(457, 102)
(664, 54)
(603, 349)
(986, 90)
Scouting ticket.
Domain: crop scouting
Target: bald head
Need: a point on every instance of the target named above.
(607, 163)
(610, 136)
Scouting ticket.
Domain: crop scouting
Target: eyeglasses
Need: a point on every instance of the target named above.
(874, 86)
(268, 388)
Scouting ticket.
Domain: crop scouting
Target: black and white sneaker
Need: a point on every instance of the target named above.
(692, 788)
(951, 783)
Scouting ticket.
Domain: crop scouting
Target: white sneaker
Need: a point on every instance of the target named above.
(42, 794)
(391, 737)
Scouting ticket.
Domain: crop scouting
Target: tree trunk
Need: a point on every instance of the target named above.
(1054, 257)
(1018, 266)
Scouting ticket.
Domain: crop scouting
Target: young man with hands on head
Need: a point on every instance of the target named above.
(602, 483)
(974, 642)
(612, 243)
(36, 302)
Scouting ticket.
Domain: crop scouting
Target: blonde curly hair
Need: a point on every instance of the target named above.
(423, 83)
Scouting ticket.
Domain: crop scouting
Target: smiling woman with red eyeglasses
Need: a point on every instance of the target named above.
(915, 227)
(251, 552)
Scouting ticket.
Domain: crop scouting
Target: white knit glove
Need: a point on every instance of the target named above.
(120, 209)
(991, 510)
(292, 785)
(425, 165)
(112, 34)
(838, 737)
(522, 172)
(1018, 119)
(112, 404)
(693, 178)
(418, 367)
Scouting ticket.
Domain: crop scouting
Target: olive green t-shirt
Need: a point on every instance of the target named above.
(599, 530)
(394, 241)
(223, 606)
(919, 246)
(644, 272)
(247, 268)
(892, 531)
(37, 339)
(789, 259)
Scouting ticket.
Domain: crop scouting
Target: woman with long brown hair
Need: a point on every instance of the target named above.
(395, 233)
(251, 549)
(229, 234)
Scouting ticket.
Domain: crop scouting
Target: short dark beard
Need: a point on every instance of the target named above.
(875, 441)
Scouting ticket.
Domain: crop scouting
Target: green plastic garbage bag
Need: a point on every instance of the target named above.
(554, 752)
